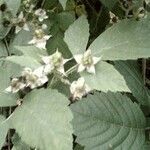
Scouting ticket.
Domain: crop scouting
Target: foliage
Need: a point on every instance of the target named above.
(74, 74)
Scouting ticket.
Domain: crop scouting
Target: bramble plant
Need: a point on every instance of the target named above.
(75, 74)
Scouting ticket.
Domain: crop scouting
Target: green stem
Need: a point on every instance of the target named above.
(71, 70)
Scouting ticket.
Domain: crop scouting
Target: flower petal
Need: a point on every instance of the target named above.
(78, 58)
(81, 68)
(91, 69)
(96, 60)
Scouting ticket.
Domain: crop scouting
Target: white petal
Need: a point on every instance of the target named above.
(81, 82)
(39, 71)
(9, 89)
(73, 87)
(48, 68)
(33, 41)
(25, 27)
(46, 37)
(96, 60)
(91, 69)
(61, 70)
(46, 59)
(18, 29)
(20, 15)
(81, 68)
(41, 45)
(78, 58)
(41, 19)
(87, 53)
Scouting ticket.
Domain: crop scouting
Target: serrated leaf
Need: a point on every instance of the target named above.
(63, 3)
(44, 115)
(24, 61)
(134, 80)
(128, 39)
(107, 78)
(3, 130)
(77, 35)
(108, 121)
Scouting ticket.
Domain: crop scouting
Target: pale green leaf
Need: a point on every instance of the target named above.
(107, 78)
(77, 35)
(128, 39)
(24, 61)
(18, 144)
(3, 130)
(63, 3)
(32, 51)
(108, 121)
(8, 71)
(44, 115)
(134, 80)
(13, 5)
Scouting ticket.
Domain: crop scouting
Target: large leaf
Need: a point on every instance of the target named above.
(134, 80)
(43, 121)
(128, 39)
(107, 78)
(77, 35)
(108, 121)
(3, 130)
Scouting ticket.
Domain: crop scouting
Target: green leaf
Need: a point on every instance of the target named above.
(63, 3)
(24, 61)
(61, 22)
(18, 144)
(77, 35)
(108, 121)
(3, 50)
(44, 115)
(78, 147)
(21, 39)
(8, 99)
(7, 71)
(134, 80)
(32, 51)
(107, 78)
(128, 39)
(109, 3)
(13, 5)
(3, 130)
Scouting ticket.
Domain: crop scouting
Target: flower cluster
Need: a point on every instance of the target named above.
(28, 78)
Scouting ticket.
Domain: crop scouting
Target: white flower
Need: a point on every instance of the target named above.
(44, 26)
(113, 18)
(34, 78)
(86, 62)
(22, 25)
(15, 86)
(54, 62)
(79, 88)
(41, 14)
(40, 39)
